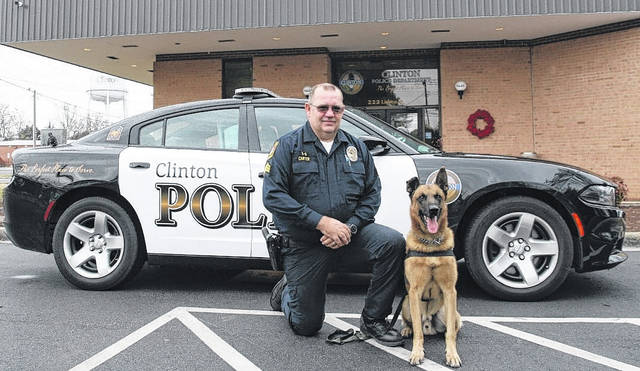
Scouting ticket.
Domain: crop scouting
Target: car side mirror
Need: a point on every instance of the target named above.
(376, 146)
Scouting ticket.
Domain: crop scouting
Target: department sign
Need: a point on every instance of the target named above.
(351, 82)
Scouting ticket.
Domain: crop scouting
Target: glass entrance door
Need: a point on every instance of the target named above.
(421, 123)
(406, 120)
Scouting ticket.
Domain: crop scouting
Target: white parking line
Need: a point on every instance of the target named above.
(399, 352)
(240, 362)
(228, 353)
(577, 352)
(125, 342)
(24, 276)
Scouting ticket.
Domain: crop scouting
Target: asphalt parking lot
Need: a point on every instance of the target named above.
(187, 318)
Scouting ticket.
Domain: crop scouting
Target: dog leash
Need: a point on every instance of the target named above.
(346, 336)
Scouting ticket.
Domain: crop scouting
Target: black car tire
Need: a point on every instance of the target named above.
(529, 253)
(98, 236)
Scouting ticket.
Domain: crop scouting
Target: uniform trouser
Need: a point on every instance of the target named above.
(307, 266)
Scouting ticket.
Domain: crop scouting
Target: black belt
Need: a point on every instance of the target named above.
(430, 254)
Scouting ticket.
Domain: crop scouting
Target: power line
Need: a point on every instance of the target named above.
(65, 103)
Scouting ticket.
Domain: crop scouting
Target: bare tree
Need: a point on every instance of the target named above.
(71, 121)
(9, 122)
(89, 124)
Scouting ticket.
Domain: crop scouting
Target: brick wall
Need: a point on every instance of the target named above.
(580, 96)
(191, 80)
(185, 81)
(287, 75)
(5, 154)
(632, 216)
(586, 101)
(498, 81)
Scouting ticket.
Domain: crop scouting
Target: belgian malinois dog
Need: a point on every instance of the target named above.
(430, 271)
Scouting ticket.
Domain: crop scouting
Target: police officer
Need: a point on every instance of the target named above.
(52, 141)
(323, 190)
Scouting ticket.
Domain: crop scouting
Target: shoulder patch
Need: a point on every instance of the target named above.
(273, 150)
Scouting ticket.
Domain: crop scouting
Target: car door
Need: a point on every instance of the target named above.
(184, 177)
(268, 123)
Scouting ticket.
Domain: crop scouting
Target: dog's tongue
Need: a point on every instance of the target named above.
(432, 225)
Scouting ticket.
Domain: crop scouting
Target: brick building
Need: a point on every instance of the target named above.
(561, 79)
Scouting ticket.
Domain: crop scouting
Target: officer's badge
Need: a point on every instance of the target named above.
(273, 150)
(352, 153)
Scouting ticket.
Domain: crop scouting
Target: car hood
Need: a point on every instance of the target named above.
(527, 165)
(478, 174)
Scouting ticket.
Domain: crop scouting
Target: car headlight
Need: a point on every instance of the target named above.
(599, 194)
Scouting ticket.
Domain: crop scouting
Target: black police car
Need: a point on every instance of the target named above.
(183, 183)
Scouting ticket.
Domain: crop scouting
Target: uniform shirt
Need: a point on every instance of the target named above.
(302, 183)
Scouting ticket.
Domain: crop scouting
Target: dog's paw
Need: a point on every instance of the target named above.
(406, 332)
(453, 359)
(416, 356)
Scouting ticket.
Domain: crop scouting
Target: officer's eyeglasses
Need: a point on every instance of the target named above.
(325, 108)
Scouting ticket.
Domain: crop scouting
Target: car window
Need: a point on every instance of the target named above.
(399, 135)
(151, 135)
(204, 130)
(274, 122)
(352, 129)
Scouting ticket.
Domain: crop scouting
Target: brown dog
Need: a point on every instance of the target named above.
(430, 271)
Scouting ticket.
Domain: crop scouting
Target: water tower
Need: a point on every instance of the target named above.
(108, 91)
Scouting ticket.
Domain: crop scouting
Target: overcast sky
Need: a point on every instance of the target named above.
(60, 84)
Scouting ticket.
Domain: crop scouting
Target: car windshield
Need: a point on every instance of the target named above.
(402, 137)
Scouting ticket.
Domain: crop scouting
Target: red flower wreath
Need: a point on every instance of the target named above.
(486, 116)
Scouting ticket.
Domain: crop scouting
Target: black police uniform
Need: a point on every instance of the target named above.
(301, 184)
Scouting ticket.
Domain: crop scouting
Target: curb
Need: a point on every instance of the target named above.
(632, 239)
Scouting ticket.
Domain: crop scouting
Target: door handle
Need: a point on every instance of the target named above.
(261, 174)
(139, 165)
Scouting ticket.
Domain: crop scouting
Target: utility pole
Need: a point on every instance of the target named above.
(33, 128)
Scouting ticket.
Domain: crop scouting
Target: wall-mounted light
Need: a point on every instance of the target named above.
(461, 86)
(20, 4)
(306, 91)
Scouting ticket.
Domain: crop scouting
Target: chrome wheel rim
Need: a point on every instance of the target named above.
(93, 244)
(520, 250)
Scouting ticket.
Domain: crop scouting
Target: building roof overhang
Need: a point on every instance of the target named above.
(129, 53)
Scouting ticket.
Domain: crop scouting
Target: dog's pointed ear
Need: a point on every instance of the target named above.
(412, 184)
(442, 181)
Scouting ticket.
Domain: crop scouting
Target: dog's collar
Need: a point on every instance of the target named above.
(429, 254)
(435, 241)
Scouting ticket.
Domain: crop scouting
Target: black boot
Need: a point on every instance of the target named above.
(380, 330)
(276, 294)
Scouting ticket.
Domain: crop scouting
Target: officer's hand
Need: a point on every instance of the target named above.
(328, 242)
(335, 233)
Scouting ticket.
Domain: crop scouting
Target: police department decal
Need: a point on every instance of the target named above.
(455, 185)
(352, 153)
(115, 133)
(351, 82)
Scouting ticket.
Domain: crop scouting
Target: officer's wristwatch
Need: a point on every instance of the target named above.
(353, 228)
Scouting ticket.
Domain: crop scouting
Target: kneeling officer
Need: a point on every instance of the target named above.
(323, 190)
